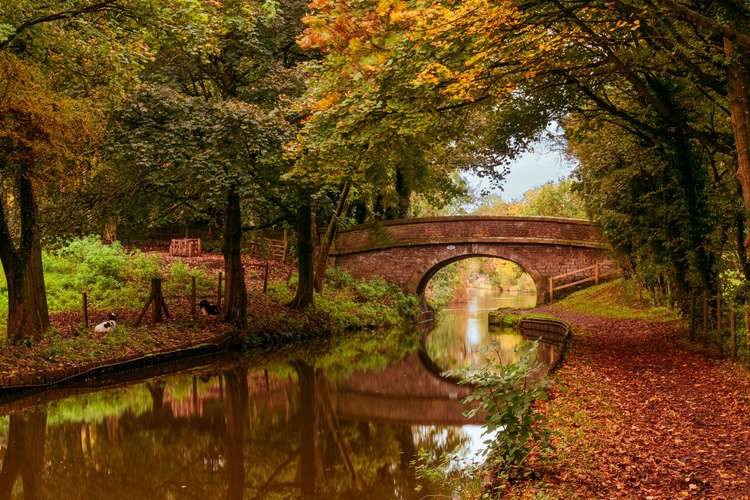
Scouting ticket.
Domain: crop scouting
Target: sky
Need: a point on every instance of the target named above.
(545, 162)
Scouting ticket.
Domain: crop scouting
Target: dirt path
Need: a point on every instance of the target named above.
(641, 417)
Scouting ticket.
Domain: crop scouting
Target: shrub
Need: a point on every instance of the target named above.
(506, 395)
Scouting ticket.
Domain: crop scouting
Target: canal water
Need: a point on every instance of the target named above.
(344, 418)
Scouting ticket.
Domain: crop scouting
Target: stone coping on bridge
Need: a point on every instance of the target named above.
(508, 240)
(467, 218)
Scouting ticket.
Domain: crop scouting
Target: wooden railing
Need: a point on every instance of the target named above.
(595, 273)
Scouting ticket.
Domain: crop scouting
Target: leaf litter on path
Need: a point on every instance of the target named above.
(639, 415)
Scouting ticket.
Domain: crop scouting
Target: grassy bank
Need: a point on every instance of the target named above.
(619, 299)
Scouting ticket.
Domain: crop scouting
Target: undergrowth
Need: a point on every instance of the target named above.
(354, 304)
(113, 277)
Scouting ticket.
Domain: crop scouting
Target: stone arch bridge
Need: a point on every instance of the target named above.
(408, 252)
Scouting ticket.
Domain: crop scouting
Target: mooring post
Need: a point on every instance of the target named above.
(85, 310)
(218, 290)
(192, 297)
(265, 279)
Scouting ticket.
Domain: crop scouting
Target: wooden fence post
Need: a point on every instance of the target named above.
(192, 297)
(155, 304)
(733, 332)
(596, 273)
(85, 310)
(155, 299)
(692, 315)
(286, 245)
(265, 279)
(551, 290)
(218, 291)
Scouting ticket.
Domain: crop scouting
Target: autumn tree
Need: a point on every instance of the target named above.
(41, 133)
(62, 63)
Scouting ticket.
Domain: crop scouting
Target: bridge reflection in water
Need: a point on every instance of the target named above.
(341, 420)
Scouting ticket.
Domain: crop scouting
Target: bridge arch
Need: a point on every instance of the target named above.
(407, 252)
(499, 253)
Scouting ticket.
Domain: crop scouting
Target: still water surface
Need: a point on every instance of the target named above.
(345, 418)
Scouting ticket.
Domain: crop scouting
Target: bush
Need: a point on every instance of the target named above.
(506, 395)
(179, 280)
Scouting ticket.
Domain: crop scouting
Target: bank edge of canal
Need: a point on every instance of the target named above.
(174, 341)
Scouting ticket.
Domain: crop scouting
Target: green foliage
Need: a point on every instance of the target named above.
(506, 395)
(355, 304)
(442, 285)
(464, 481)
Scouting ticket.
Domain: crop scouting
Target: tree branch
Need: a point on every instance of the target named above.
(66, 14)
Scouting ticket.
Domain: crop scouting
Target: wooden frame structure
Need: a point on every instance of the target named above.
(185, 247)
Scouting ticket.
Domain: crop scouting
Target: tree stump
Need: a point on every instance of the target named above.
(156, 300)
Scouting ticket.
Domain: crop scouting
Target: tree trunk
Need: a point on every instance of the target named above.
(28, 316)
(327, 242)
(305, 258)
(109, 233)
(739, 107)
(235, 306)
(403, 189)
(739, 229)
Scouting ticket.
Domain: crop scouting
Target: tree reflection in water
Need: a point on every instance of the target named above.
(24, 455)
(230, 431)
